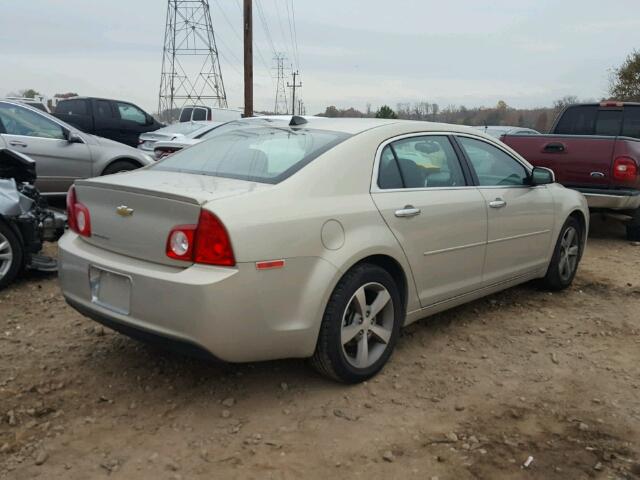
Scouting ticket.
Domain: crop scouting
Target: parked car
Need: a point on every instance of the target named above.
(25, 219)
(316, 239)
(116, 120)
(595, 149)
(169, 147)
(62, 153)
(499, 131)
(196, 113)
(174, 131)
(32, 102)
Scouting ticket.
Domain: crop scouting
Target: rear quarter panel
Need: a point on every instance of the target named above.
(325, 210)
(628, 147)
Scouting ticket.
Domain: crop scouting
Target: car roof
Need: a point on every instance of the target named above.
(354, 126)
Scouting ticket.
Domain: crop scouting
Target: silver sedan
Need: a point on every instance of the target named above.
(62, 152)
(319, 239)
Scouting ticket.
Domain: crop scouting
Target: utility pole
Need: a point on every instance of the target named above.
(293, 86)
(248, 58)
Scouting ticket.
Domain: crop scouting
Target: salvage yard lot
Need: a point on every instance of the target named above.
(470, 394)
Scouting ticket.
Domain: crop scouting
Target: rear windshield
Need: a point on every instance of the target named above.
(259, 154)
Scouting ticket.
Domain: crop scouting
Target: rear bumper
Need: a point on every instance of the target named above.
(612, 199)
(234, 314)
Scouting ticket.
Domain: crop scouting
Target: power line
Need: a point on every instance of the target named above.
(265, 27)
(293, 41)
(284, 36)
(235, 32)
(295, 32)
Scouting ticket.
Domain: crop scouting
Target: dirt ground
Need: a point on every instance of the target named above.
(470, 393)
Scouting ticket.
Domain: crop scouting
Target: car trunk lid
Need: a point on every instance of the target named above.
(133, 213)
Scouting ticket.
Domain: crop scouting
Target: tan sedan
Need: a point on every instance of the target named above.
(320, 239)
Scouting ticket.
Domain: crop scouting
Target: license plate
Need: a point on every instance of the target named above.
(110, 290)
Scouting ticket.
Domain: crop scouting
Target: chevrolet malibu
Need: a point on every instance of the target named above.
(316, 239)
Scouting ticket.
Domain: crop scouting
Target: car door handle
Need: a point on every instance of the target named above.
(408, 211)
(15, 143)
(498, 203)
(555, 147)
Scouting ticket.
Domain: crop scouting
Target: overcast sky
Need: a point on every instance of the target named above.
(352, 52)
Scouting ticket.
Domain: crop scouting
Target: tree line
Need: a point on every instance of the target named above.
(624, 86)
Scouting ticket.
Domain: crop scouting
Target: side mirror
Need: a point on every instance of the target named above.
(150, 119)
(73, 137)
(541, 176)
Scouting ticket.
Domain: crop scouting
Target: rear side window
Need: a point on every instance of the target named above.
(388, 172)
(609, 122)
(266, 155)
(631, 124)
(103, 109)
(423, 162)
(578, 121)
(73, 107)
(199, 114)
(185, 114)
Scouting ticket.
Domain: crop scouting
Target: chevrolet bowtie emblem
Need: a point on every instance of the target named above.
(124, 211)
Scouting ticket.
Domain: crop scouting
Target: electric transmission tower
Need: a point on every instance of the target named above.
(190, 66)
(282, 105)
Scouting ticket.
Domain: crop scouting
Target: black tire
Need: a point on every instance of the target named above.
(17, 255)
(556, 279)
(633, 227)
(120, 166)
(330, 357)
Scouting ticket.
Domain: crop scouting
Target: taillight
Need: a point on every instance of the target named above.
(625, 169)
(78, 217)
(180, 243)
(208, 242)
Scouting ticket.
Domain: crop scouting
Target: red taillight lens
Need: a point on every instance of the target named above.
(625, 169)
(213, 245)
(208, 242)
(78, 217)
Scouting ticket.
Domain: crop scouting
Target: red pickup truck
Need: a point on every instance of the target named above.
(595, 149)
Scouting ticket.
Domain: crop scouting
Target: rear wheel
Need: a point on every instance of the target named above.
(566, 256)
(633, 227)
(120, 166)
(11, 255)
(360, 326)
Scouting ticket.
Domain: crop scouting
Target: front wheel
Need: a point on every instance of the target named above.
(360, 325)
(11, 255)
(566, 256)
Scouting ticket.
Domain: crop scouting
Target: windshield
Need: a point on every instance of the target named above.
(260, 154)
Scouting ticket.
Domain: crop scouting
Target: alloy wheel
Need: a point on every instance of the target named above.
(6, 255)
(367, 325)
(569, 251)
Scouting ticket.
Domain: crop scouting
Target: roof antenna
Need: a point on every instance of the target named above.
(296, 121)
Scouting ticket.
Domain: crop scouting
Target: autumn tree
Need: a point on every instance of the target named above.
(564, 102)
(625, 82)
(541, 122)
